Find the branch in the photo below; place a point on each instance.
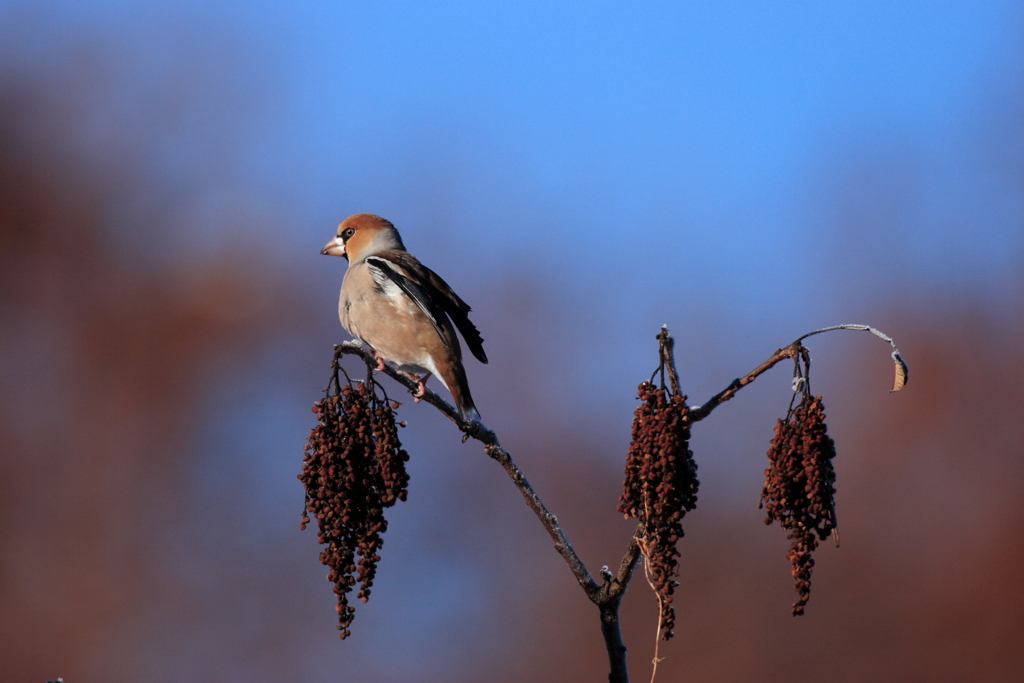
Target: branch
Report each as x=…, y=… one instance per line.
x=792, y=351
x=667, y=356
x=628, y=564
x=476, y=430
x=902, y=371
x=608, y=595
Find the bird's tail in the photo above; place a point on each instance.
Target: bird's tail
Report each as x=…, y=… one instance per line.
x=459, y=386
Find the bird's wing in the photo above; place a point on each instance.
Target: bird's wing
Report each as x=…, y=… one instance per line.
x=386, y=272
x=431, y=293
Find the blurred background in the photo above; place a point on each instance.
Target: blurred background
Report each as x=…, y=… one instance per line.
x=582, y=174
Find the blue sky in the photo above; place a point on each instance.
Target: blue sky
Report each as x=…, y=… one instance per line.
x=740, y=171
x=614, y=130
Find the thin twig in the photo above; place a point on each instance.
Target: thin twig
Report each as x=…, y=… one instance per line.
x=641, y=541
x=796, y=349
x=666, y=353
x=657, y=633
x=902, y=370
x=699, y=413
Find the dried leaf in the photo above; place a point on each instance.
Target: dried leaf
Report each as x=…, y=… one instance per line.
x=902, y=372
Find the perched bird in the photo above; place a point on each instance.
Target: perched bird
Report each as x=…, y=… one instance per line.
x=403, y=310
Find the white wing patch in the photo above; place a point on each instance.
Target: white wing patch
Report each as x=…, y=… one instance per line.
x=387, y=285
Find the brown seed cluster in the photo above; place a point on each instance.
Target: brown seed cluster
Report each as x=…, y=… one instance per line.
x=798, y=488
x=354, y=467
x=660, y=487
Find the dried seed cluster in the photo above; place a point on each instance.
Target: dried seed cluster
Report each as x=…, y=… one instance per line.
x=354, y=467
x=798, y=488
x=660, y=486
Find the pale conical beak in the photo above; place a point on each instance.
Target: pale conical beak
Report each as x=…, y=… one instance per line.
x=335, y=247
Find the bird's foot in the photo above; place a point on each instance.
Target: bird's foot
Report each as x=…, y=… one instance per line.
x=380, y=361
x=421, y=386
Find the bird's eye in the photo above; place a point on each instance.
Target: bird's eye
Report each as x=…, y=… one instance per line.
x=347, y=232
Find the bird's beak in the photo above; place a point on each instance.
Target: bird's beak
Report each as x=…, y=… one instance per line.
x=334, y=248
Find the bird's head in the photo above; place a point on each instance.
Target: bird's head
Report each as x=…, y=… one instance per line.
x=362, y=235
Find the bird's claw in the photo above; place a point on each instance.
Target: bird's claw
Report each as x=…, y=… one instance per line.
x=421, y=385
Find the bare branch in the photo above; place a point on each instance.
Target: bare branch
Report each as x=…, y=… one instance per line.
x=792, y=351
x=628, y=564
x=476, y=430
x=666, y=351
x=612, y=632
x=608, y=595
x=902, y=371
x=698, y=414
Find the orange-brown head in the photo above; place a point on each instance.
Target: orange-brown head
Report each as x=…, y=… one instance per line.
x=362, y=235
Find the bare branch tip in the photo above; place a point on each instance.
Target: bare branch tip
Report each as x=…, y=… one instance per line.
x=902, y=369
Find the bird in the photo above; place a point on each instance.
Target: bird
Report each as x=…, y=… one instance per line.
x=402, y=310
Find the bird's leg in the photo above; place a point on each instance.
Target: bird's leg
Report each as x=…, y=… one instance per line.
x=421, y=385
x=421, y=390
x=380, y=361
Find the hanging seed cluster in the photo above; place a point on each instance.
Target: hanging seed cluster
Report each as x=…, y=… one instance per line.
x=660, y=486
x=354, y=467
x=798, y=488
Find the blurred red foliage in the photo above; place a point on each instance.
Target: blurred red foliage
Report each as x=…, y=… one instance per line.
x=108, y=362
x=103, y=363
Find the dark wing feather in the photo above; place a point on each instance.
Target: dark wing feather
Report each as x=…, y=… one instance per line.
x=458, y=310
x=441, y=296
